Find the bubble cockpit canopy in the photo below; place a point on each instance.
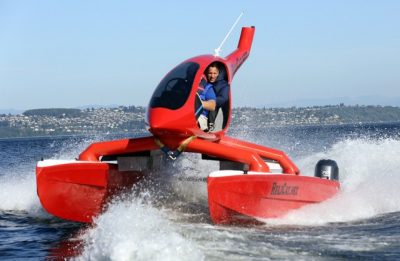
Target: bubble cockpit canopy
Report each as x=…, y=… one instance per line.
x=174, y=90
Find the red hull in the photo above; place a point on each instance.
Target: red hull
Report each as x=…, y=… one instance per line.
x=78, y=191
x=244, y=198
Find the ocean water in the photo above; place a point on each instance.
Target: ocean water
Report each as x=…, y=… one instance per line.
x=166, y=217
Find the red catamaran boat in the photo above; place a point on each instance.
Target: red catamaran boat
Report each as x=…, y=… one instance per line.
x=252, y=183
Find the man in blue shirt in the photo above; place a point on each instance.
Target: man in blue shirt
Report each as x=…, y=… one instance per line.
x=221, y=89
x=207, y=96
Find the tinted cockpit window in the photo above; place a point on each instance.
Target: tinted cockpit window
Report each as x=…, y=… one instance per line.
x=174, y=89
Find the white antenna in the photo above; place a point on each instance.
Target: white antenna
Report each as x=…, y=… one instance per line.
x=227, y=35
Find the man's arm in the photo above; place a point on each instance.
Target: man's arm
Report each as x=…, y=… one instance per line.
x=209, y=105
x=222, y=94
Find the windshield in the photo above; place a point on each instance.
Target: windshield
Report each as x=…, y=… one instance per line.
x=174, y=89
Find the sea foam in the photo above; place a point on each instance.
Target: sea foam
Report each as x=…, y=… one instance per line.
x=132, y=229
x=370, y=180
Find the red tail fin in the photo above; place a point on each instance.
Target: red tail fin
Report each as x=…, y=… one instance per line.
x=237, y=57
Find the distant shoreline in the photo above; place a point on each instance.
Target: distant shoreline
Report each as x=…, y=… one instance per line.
x=124, y=121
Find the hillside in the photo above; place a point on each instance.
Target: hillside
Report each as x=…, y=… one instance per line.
x=58, y=121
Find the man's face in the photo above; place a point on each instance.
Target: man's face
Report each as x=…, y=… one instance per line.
x=212, y=74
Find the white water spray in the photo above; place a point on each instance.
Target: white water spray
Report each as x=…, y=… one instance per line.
x=135, y=230
x=370, y=181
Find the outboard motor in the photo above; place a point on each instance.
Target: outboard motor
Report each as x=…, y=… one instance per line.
x=327, y=169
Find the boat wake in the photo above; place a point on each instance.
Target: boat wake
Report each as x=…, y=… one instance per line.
x=369, y=177
x=133, y=229
x=17, y=178
x=18, y=193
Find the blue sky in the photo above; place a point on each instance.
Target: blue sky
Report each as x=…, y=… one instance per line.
x=76, y=53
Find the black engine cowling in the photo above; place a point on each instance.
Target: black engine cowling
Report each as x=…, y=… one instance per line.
x=327, y=169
